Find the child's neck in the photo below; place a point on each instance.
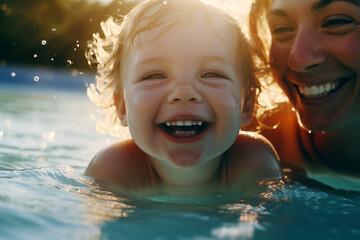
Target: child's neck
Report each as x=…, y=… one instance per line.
x=187, y=178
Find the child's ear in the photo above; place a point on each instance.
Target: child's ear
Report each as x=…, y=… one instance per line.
x=248, y=107
x=121, y=108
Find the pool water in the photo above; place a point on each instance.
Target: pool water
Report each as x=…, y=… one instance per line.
x=47, y=138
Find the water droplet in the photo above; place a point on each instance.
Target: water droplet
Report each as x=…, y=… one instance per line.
x=8, y=124
x=293, y=109
x=43, y=42
x=43, y=145
x=77, y=45
x=74, y=72
x=13, y=74
x=49, y=136
x=35, y=55
x=165, y=2
x=90, y=19
x=309, y=131
x=53, y=29
x=36, y=78
x=52, y=59
x=69, y=62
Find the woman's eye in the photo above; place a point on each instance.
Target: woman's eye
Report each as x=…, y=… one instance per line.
x=337, y=21
x=282, y=32
x=154, y=76
x=213, y=75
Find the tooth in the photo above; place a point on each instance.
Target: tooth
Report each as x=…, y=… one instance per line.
x=168, y=124
x=321, y=89
x=188, y=123
x=179, y=123
x=306, y=91
x=199, y=123
x=301, y=89
x=314, y=90
x=333, y=86
x=328, y=87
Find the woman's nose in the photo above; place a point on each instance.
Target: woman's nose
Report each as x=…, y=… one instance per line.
x=184, y=92
x=306, y=52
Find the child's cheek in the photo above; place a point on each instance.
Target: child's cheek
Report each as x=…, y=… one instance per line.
x=229, y=99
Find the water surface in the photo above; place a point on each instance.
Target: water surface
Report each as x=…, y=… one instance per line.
x=47, y=138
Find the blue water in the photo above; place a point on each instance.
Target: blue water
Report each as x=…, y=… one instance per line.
x=47, y=138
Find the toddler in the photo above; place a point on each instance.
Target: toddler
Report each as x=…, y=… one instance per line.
x=180, y=75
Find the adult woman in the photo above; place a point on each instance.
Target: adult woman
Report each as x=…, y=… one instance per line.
x=314, y=56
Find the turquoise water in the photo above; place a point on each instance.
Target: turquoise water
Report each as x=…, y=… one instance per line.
x=47, y=138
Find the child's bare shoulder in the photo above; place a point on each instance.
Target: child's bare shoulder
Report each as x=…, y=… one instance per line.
x=122, y=163
x=253, y=156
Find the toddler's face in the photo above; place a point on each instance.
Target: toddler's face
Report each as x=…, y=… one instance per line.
x=183, y=95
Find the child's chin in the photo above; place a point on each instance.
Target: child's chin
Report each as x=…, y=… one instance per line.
x=185, y=158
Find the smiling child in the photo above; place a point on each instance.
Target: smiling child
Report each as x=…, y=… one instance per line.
x=182, y=79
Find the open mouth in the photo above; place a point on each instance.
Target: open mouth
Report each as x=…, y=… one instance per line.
x=184, y=128
x=322, y=90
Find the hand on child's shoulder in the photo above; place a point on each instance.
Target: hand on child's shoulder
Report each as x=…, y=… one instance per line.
x=122, y=163
x=253, y=157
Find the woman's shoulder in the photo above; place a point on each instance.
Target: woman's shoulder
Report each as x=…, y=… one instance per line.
x=122, y=163
x=282, y=128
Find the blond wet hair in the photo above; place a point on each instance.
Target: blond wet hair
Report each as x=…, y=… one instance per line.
x=107, y=51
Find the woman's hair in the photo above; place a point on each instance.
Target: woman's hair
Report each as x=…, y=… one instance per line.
x=106, y=52
x=258, y=28
x=260, y=35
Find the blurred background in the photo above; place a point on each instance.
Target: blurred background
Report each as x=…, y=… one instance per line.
x=52, y=33
x=42, y=42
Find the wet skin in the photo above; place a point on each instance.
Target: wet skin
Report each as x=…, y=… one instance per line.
x=183, y=103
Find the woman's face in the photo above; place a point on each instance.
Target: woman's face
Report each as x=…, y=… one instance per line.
x=315, y=55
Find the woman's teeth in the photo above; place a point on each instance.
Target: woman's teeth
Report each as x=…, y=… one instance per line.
x=318, y=91
x=181, y=123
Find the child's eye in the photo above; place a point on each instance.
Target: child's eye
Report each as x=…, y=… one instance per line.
x=154, y=76
x=338, y=24
x=213, y=75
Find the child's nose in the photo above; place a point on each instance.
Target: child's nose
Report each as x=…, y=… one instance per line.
x=184, y=93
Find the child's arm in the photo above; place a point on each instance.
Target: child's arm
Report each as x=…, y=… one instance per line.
x=252, y=159
x=122, y=164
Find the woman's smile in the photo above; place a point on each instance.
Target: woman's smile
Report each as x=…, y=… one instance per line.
x=321, y=92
